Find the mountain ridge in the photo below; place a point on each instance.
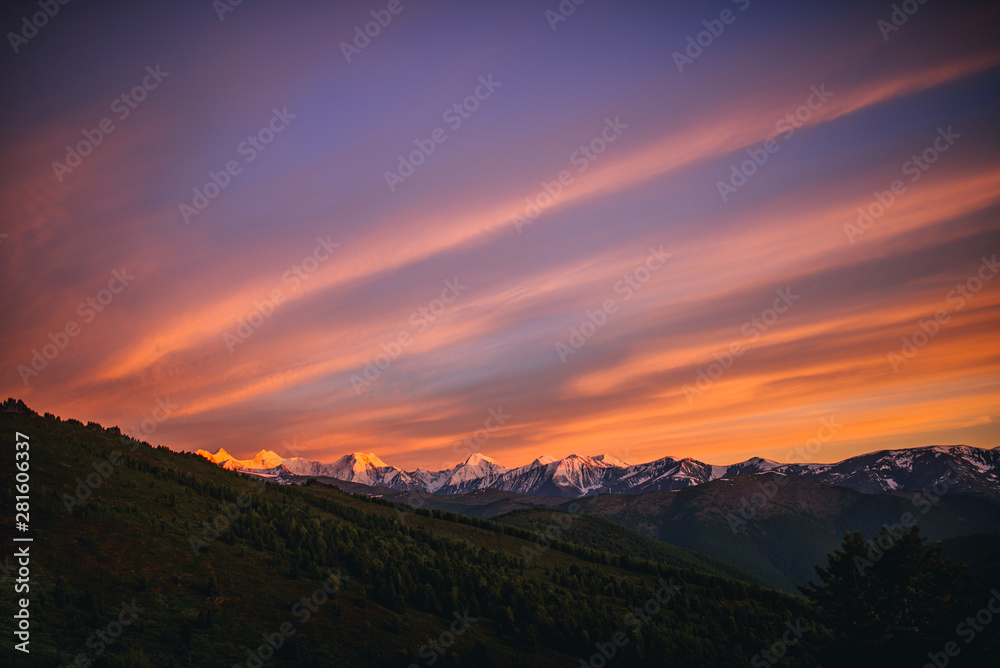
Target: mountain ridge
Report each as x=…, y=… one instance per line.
x=961, y=468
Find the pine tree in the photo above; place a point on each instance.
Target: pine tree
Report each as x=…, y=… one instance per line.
x=886, y=601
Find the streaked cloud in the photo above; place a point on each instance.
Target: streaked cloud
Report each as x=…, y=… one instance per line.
x=495, y=344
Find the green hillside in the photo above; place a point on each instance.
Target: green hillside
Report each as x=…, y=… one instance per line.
x=796, y=525
x=553, y=527
x=142, y=536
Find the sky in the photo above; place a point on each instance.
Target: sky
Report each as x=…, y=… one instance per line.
x=713, y=230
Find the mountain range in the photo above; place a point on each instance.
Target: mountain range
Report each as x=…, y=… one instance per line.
x=772, y=520
x=961, y=469
x=182, y=534
x=213, y=565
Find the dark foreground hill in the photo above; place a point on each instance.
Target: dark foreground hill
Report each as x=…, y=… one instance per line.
x=576, y=527
x=766, y=527
x=778, y=527
x=146, y=557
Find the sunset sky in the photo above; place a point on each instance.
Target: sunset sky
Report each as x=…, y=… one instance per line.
x=359, y=261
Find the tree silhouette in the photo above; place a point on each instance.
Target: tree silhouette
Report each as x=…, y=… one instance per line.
x=886, y=601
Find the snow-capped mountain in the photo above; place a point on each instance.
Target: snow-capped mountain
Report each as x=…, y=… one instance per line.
x=670, y=473
x=363, y=468
x=752, y=465
x=359, y=467
x=431, y=481
x=219, y=457
x=573, y=476
x=956, y=469
x=666, y=473
x=611, y=459
x=476, y=472
x=265, y=459
x=264, y=464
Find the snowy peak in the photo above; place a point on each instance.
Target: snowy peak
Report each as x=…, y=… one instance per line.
x=477, y=472
x=601, y=461
x=477, y=458
x=573, y=476
x=767, y=464
x=265, y=464
x=360, y=467
x=265, y=459
x=355, y=467
x=368, y=469
x=360, y=461
x=965, y=469
x=958, y=468
x=477, y=466
x=227, y=461
x=218, y=458
x=222, y=455
x=610, y=460
x=544, y=460
x=431, y=481
x=752, y=465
